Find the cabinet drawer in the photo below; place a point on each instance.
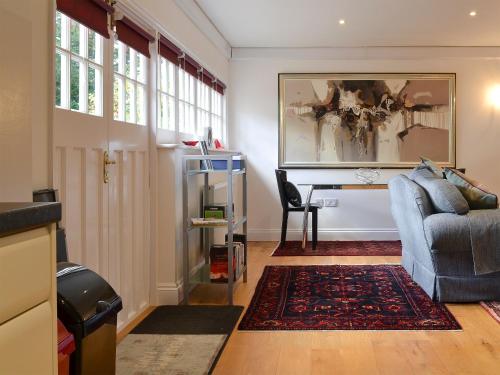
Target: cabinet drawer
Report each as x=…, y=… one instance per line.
x=27, y=343
x=25, y=271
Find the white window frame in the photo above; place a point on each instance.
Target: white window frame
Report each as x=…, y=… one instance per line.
x=67, y=56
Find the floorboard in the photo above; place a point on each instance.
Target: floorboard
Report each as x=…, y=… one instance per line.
x=475, y=350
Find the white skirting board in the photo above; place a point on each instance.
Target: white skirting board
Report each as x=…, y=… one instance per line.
x=327, y=234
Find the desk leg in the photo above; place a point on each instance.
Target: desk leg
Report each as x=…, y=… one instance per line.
x=306, y=215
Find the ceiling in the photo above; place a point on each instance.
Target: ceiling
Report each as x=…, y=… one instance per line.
x=315, y=23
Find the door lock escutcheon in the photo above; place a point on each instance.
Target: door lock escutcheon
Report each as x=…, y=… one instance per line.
x=107, y=161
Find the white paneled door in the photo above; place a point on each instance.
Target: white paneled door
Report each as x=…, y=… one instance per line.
x=106, y=217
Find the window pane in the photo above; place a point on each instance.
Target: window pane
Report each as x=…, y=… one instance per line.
x=171, y=113
x=118, y=99
x=163, y=74
x=182, y=121
x=140, y=106
x=75, y=85
x=116, y=57
x=94, y=91
x=58, y=29
x=75, y=37
x=162, y=112
x=140, y=67
x=58, y=79
x=94, y=46
x=127, y=61
x=171, y=78
x=129, y=101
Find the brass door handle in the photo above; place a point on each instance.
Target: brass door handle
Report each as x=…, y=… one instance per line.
x=107, y=161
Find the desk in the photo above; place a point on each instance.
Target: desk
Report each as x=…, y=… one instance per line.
x=313, y=187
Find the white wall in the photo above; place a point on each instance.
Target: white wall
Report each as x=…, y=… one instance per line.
x=253, y=120
x=24, y=93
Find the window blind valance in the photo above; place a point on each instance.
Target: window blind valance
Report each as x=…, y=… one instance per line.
x=91, y=13
x=169, y=50
x=175, y=55
x=134, y=36
x=220, y=87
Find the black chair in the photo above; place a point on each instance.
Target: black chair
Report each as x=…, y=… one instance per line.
x=291, y=201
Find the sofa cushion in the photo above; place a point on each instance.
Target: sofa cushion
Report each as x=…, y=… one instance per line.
x=422, y=170
x=476, y=195
x=432, y=166
x=445, y=196
x=447, y=232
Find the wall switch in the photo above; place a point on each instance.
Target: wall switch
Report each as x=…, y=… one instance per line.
x=331, y=202
x=318, y=202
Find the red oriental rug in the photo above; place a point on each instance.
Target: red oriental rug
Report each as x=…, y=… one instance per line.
x=348, y=248
x=343, y=297
x=493, y=309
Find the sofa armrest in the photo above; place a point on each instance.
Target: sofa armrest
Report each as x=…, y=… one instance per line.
x=447, y=232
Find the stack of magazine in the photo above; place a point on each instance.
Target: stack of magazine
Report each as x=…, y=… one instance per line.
x=219, y=272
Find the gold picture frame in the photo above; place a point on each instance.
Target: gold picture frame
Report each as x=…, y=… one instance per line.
x=375, y=120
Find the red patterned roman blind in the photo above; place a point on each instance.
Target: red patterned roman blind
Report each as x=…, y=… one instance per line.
x=91, y=13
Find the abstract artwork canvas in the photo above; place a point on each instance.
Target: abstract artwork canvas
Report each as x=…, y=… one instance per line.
x=366, y=120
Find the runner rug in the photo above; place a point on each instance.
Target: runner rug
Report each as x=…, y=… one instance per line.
x=343, y=297
x=348, y=248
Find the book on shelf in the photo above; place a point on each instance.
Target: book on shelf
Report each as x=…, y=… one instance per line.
x=202, y=221
x=219, y=271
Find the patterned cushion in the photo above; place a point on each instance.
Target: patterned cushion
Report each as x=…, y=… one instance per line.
x=477, y=196
x=445, y=196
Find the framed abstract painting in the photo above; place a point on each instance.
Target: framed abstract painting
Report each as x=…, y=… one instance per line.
x=349, y=120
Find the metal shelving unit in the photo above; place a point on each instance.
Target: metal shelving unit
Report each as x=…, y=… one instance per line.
x=202, y=274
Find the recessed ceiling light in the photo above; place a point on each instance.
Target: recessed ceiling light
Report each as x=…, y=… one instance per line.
x=341, y=22
x=473, y=13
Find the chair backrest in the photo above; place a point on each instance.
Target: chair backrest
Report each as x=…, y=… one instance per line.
x=281, y=180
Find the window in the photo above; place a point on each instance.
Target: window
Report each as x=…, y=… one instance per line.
x=203, y=107
x=166, y=95
x=187, y=102
x=129, y=90
x=79, y=67
x=198, y=104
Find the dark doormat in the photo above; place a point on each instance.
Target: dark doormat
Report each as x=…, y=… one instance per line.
x=178, y=340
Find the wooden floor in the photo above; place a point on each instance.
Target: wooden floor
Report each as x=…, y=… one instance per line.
x=475, y=350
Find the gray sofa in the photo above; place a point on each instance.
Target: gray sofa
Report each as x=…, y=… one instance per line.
x=438, y=247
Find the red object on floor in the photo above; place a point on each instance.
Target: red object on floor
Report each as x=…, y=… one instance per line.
x=65, y=346
x=340, y=248
x=343, y=297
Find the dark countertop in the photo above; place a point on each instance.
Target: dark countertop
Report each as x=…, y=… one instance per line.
x=18, y=217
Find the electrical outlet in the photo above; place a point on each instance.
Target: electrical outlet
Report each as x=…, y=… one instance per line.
x=331, y=202
x=319, y=202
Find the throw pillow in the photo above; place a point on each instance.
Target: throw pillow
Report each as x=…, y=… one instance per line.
x=476, y=195
x=445, y=197
x=432, y=166
x=422, y=170
x=292, y=194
